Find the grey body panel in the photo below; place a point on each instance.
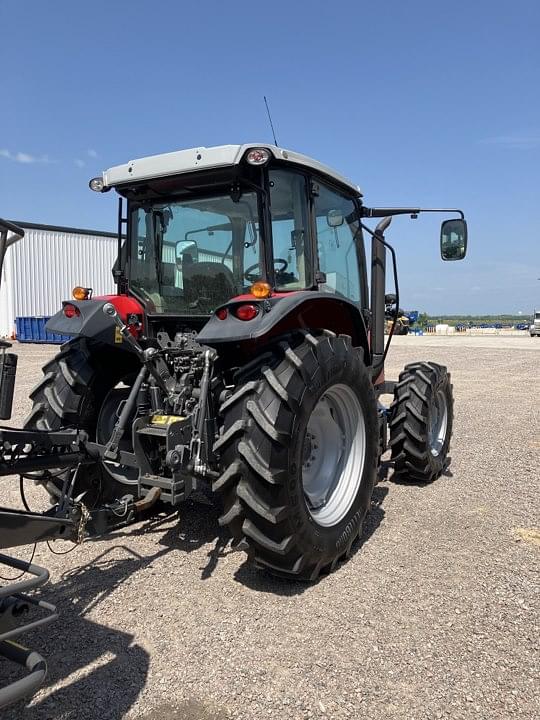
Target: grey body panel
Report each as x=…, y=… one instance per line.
x=193, y=159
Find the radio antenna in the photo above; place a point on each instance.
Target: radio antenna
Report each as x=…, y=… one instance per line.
x=270, y=119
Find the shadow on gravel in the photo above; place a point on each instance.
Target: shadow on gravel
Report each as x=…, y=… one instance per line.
x=196, y=526
x=72, y=690
x=261, y=581
x=109, y=689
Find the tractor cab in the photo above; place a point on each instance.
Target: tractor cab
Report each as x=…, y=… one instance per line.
x=208, y=225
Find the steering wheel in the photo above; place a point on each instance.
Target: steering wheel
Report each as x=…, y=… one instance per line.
x=253, y=278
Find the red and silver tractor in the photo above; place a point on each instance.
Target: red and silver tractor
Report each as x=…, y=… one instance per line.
x=242, y=355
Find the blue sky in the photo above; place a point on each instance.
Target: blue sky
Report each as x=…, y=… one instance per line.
x=419, y=103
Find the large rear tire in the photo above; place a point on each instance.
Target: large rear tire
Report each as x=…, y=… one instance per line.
x=74, y=388
x=299, y=451
x=421, y=419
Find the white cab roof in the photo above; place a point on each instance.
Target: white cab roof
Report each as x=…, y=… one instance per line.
x=202, y=158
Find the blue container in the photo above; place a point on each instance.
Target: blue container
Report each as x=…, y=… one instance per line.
x=32, y=330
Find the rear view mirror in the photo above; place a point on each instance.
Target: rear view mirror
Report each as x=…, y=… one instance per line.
x=186, y=252
x=453, y=239
x=334, y=218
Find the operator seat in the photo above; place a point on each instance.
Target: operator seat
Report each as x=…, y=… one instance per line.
x=207, y=285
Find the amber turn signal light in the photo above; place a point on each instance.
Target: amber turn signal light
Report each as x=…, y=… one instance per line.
x=80, y=293
x=260, y=289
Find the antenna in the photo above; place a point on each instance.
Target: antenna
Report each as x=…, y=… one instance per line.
x=270, y=119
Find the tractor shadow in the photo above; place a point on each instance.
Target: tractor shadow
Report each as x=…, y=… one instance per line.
x=261, y=581
x=90, y=665
x=93, y=665
x=195, y=526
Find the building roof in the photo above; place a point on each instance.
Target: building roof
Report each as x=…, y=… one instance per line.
x=62, y=228
x=202, y=158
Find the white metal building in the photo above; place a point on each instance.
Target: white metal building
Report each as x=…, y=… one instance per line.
x=42, y=269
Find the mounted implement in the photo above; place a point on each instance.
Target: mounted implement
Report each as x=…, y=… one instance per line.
x=242, y=355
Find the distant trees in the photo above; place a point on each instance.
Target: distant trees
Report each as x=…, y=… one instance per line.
x=426, y=319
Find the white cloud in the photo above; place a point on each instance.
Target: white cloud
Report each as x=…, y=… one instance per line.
x=79, y=163
x=92, y=153
x=24, y=158
x=514, y=142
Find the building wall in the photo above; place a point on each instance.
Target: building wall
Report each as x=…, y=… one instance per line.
x=42, y=269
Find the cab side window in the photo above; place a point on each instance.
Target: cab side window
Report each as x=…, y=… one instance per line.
x=290, y=230
x=338, y=231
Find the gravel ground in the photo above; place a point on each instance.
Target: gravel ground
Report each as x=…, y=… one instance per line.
x=435, y=616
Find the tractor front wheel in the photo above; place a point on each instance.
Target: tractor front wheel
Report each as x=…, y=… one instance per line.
x=421, y=419
x=299, y=452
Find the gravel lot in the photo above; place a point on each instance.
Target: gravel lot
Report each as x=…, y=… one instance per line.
x=435, y=616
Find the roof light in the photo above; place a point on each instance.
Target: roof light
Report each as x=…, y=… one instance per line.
x=258, y=156
x=96, y=184
x=246, y=312
x=81, y=293
x=260, y=289
x=71, y=311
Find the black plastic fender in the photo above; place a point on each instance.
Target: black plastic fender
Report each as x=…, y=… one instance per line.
x=91, y=323
x=285, y=313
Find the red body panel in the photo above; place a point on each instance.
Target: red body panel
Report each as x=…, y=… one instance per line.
x=124, y=304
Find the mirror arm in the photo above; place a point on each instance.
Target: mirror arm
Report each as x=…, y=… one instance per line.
x=413, y=212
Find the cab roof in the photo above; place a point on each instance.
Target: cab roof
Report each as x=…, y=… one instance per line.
x=203, y=158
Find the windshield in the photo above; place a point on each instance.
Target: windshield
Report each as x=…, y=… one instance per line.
x=190, y=256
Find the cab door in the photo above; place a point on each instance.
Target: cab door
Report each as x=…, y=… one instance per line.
x=339, y=244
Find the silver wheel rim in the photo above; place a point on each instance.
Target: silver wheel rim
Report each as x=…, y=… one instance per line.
x=334, y=455
x=438, y=423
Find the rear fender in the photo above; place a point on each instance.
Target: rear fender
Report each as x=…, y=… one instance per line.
x=283, y=314
x=93, y=323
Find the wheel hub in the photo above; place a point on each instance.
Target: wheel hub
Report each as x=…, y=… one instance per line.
x=438, y=423
x=333, y=455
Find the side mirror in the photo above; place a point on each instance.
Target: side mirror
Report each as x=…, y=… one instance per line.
x=334, y=218
x=453, y=239
x=186, y=252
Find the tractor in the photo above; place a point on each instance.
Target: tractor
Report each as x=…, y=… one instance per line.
x=242, y=357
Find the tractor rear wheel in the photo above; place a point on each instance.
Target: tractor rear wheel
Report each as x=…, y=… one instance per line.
x=299, y=453
x=421, y=419
x=80, y=390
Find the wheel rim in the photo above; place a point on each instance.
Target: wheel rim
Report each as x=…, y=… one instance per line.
x=334, y=455
x=438, y=423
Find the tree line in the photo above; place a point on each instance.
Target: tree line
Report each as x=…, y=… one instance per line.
x=471, y=320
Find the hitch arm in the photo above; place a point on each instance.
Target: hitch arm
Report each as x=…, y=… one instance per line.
x=112, y=450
